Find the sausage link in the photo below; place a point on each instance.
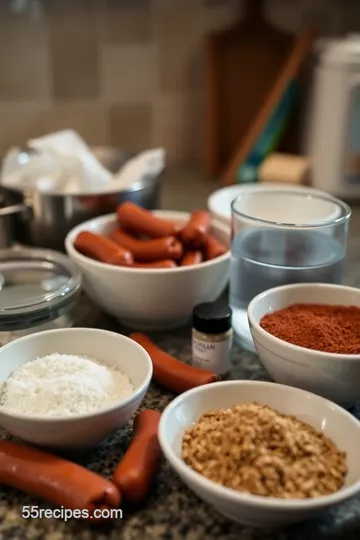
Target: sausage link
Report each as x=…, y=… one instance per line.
x=55, y=479
x=194, y=233
x=213, y=247
x=192, y=257
x=149, y=250
x=170, y=372
x=166, y=263
x=141, y=462
x=103, y=249
x=135, y=219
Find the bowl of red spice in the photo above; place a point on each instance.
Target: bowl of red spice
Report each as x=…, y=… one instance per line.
x=308, y=335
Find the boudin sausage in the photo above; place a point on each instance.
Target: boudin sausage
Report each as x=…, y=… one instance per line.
x=191, y=258
x=55, y=479
x=213, y=247
x=170, y=372
x=137, y=469
x=102, y=249
x=194, y=233
x=149, y=250
x=137, y=220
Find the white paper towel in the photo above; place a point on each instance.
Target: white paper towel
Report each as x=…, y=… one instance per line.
x=62, y=163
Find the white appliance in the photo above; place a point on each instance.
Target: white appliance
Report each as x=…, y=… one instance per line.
x=335, y=122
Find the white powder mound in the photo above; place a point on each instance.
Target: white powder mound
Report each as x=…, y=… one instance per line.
x=63, y=385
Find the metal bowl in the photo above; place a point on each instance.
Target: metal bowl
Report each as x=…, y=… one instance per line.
x=43, y=220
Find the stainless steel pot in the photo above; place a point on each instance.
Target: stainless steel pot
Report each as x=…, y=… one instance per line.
x=43, y=220
x=8, y=218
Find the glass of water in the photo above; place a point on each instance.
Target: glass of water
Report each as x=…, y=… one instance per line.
x=282, y=237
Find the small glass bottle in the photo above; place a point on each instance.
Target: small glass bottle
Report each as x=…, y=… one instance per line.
x=212, y=337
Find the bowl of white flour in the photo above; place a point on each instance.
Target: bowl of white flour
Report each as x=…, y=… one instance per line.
x=70, y=389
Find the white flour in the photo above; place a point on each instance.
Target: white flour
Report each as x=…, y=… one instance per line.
x=63, y=385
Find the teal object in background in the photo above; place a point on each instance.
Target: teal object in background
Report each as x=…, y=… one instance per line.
x=247, y=174
x=270, y=136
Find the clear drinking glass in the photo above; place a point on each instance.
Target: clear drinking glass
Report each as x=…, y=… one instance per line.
x=282, y=237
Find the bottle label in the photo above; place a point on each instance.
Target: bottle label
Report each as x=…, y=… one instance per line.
x=214, y=356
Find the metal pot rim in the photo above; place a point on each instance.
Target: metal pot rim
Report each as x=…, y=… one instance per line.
x=136, y=186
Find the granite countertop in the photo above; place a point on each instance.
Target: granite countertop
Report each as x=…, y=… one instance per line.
x=172, y=511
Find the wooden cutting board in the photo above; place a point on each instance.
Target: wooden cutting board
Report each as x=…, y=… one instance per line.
x=241, y=64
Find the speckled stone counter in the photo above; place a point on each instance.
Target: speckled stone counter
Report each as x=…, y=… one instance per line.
x=172, y=511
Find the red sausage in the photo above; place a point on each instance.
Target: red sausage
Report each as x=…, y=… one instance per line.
x=103, y=249
x=55, y=479
x=170, y=372
x=156, y=264
x=213, y=247
x=192, y=257
x=149, y=250
x=141, y=462
x=135, y=219
x=194, y=233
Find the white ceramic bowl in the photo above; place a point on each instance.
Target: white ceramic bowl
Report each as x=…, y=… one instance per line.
x=81, y=432
x=253, y=510
x=150, y=299
x=219, y=202
x=333, y=376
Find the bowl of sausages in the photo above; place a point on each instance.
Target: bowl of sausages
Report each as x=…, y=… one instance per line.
x=149, y=269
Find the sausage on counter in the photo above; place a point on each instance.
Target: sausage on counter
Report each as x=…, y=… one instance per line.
x=166, y=263
x=194, y=233
x=135, y=219
x=141, y=462
x=149, y=250
x=55, y=479
x=170, y=372
x=213, y=247
x=192, y=257
x=102, y=249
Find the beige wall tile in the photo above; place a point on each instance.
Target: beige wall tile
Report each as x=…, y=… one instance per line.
x=285, y=15
x=177, y=127
x=88, y=118
x=344, y=20
x=125, y=71
x=23, y=57
x=179, y=41
x=74, y=32
x=219, y=14
x=130, y=126
x=23, y=121
x=128, y=21
x=19, y=122
x=128, y=73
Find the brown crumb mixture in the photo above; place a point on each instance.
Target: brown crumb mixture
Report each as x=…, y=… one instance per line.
x=254, y=449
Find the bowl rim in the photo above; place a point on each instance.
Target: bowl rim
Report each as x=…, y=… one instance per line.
x=129, y=400
x=72, y=252
x=344, y=216
x=238, y=497
x=278, y=186
x=290, y=346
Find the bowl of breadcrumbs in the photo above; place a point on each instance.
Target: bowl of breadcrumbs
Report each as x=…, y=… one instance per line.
x=262, y=454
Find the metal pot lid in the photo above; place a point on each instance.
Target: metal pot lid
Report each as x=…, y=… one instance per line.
x=35, y=279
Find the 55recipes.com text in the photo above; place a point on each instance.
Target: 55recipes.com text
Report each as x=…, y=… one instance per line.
x=65, y=514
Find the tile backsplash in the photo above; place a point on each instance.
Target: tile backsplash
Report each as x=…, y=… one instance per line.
x=124, y=72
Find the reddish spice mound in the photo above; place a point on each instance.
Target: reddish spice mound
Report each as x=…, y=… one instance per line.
x=321, y=327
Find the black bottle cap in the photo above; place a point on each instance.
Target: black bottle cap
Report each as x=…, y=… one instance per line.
x=212, y=318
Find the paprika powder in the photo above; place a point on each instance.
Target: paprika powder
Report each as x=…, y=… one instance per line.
x=321, y=327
